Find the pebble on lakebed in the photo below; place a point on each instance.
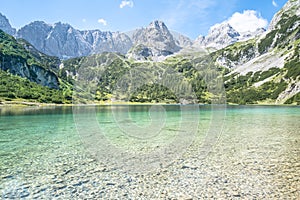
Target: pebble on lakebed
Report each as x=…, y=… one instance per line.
x=241, y=175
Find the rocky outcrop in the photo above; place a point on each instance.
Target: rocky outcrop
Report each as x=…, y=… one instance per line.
x=5, y=25
x=244, y=36
x=140, y=52
x=17, y=60
x=64, y=41
x=33, y=73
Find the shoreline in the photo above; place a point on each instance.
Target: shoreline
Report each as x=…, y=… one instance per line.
x=107, y=103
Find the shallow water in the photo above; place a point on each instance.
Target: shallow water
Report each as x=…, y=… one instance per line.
x=48, y=151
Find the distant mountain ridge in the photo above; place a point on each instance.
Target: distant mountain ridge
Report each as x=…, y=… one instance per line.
x=223, y=34
x=64, y=41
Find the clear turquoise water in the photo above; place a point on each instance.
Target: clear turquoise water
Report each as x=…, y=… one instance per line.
x=35, y=141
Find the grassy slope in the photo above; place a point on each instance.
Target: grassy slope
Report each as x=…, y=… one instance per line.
x=244, y=89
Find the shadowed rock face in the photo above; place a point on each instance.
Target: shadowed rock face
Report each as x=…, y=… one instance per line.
x=33, y=73
x=5, y=25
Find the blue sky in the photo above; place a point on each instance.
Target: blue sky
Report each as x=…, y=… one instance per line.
x=189, y=17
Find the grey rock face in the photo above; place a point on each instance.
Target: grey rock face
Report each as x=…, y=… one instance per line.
x=199, y=40
x=181, y=40
x=140, y=52
x=63, y=41
x=219, y=36
x=107, y=41
x=158, y=38
x=5, y=25
x=32, y=72
x=37, y=32
x=222, y=35
x=248, y=35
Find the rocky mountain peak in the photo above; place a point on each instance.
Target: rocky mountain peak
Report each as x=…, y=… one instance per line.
x=223, y=34
x=219, y=36
x=5, y=25
x=62, y=26
x=156, y=37
x=158, y=31
x=224, y=29
x=158, y=25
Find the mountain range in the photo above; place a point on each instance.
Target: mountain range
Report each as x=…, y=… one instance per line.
x=64, y=41
x=253, y=67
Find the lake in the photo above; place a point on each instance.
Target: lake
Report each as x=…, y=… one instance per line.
x=150, y=151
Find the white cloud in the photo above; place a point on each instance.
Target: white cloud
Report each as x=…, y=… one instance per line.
x=102, y=21
x=274, y=3
x=249, y=20
x=126, y=3
x=83, y=20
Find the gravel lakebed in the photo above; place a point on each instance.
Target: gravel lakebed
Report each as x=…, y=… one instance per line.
x=267, y=169
x=256, y=156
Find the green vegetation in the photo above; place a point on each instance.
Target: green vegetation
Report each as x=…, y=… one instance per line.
x=49, y=62
x=10, y=48
x=14, y=87
x=293, y=66
x=294, y=99
x=109, y=76
x=106, y=76
x=266, y=42
x=154, y=93
x=240, y=89
x=19, y=59
x=281, y=36
x=239, y=81
x=236, y=51
x=269, y=90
